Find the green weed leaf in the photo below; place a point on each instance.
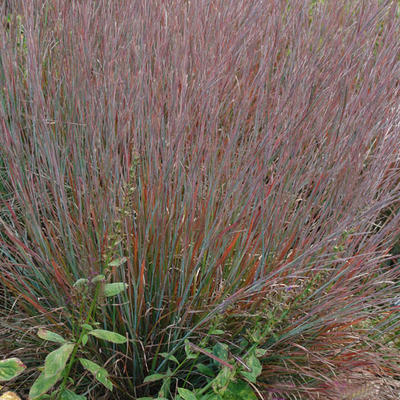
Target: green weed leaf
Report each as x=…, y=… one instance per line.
x=239, y=390
x=70, y=395
x=43, y=384
x=56, y=360
x=112, y=289
x=254, y=364
x=118, y=262
x=222, y=380
x=50, y=336
x=188, y=351
x=165, y=387
x=186, y=394
x=205, y=370
x=169, y=357
x=154, y=378
x=10, y=368
x=220, y=350
x=87, y=327
x=98, y=372
x=108, y=336
x=84, y=339
x=216, y=332
x=80, y=283
x=98, y=278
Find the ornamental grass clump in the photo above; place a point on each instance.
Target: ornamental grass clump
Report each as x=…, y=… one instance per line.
x=231, y=162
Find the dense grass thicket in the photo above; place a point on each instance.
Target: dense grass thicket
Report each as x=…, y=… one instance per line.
x=242, y=159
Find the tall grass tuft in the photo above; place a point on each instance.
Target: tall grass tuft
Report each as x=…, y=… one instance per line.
x=241, y=155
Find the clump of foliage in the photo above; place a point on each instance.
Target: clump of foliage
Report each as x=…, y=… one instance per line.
x=235, y=156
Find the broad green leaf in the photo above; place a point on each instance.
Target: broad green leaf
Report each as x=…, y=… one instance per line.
x=112, y=289
x=42, y=385
x=87, y=327
x=221, y=381
x=188, y=351
x=81, y=283
x=70, y=395
x=216, y=332
x=84, y=340
x=211, y=396
x=169, y=357
x=260, y=352
x=186, y=394
x=256, y=368
x=108, y=336
x=239, y=390
x=98, y=372
x=154, y=378
x=165, y=387
x=204, y=369
x=50, y=336
x=98, y=278
x=118, y=262
x=221, y=351
x=10, y=368
x=56, y=360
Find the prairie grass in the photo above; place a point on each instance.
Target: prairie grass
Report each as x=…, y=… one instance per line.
x=239, y=154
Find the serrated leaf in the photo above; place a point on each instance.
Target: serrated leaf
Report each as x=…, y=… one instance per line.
x=42, y=385
x=186, y=394
x=56, y=360
x=112, y=289
x=169, y=357
x=98, y=372
x=70, y=395
x=50, y=336
x=10, y=368
x=154, y=378
x=108, y=336
x=118, y=262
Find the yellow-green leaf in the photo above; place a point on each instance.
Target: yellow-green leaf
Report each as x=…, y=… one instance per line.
x=42, y=385
x=10, y=368
x=50, y=336
x=56, y=360
x=98, y=372
x=108, y=336
x=112, y=289
x=117, y=262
